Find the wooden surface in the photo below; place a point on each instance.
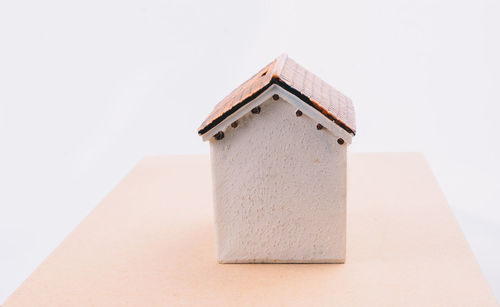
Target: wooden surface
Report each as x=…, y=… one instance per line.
x=151, y=243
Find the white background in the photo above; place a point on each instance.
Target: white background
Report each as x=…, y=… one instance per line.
x=87, y=88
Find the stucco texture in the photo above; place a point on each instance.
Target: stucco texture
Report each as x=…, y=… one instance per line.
x=279, y=189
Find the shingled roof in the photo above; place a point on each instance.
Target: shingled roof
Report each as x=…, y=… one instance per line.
x=286, y=73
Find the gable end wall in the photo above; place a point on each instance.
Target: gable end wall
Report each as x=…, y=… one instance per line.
x=279, y=189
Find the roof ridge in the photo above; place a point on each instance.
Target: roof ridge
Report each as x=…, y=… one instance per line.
x=280, y=63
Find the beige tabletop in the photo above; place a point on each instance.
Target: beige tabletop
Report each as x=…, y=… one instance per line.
x=151, y=243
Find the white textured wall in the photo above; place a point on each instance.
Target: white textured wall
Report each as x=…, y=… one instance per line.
x=279, y=189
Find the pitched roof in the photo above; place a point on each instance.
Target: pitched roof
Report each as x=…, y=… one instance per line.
x=297, y=80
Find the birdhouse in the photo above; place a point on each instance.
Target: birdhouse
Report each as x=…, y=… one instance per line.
x=278, y=150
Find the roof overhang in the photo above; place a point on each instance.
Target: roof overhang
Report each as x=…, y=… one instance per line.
x=285, y=92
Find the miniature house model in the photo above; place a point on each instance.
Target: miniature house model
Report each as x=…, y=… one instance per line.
x=278, y=154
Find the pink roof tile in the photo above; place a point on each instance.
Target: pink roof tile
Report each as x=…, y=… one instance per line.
x=297, y=80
